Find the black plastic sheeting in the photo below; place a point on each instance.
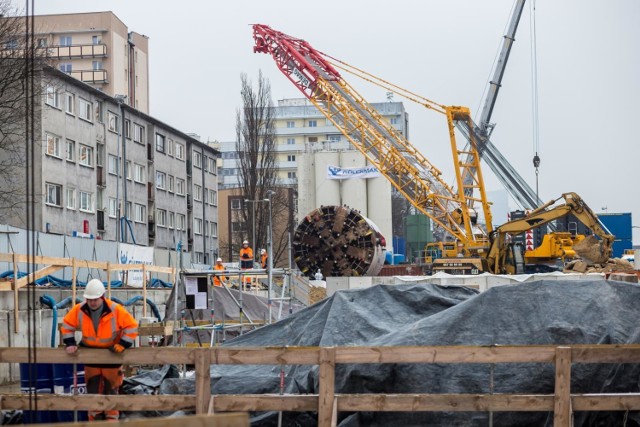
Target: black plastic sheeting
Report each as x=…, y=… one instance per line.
x=543, y=313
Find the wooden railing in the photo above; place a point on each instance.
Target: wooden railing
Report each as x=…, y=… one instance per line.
x=327, y=402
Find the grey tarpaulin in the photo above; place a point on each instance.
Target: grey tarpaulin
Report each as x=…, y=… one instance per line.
x=542, y=312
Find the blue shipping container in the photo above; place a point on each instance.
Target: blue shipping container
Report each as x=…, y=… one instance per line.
x=619, y=246
x=65, y=382
x=37, y=378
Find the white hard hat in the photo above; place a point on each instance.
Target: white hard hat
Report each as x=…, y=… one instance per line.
x=263, y=251
x=245, y=242
x=94, y=289
x=219, y=260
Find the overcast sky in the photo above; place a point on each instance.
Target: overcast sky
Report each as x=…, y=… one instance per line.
x=588, y=54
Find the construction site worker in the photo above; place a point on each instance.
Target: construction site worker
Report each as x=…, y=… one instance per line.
x=246, y=260
x=264, y=258
x=218, y=280
x=104, y=324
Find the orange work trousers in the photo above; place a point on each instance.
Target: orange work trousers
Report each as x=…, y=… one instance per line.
x=103, y=381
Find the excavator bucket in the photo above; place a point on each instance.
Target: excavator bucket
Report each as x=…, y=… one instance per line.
x=592, y=251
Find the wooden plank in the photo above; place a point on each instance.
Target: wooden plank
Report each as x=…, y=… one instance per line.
x=265, y=356
x=98, y=265
x=16, y=299
x=142, y=355
x=265, y=402
x=444, y=402
x=54, y=402
x=144, y=290
x=446, y=354
x=74, y=283
x=203, y=380
x=160, y=269
x=562, y=399
x=326, y=379
x=24, y=281
x=606, y=354
x=606, y=402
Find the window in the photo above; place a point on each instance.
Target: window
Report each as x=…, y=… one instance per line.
x=394, y=120
x=96, y=65
x=160, y=143
x=291, y=158
x=212, y=165
x=236, y=204
x=214, y=229
x=197, y=192
x=53, y=194
x=84, y=110
x=127, y=128
x=171, y=220
x=313, y=139
x=170, y=183
x=197, y=159
x=71, y=150
x=313, y=123
x=180, y=222
x=113, y=165
x=127, y=210
x=197, y=225
x=127, y=170
x=170, y=147
x=66, y=67
x=238, y=226
x=85, y=155
x=113, y=208
x=52, y=97
x=335, y=138
x=291, y=124
x=291, y=141
x=53, y=145
x=161, y=178
x=291, y=175
x=112, y=121
x=100, y=155
x=161, y=217
x=213, y=197
x=139, y=173
x=11, y=44
x=138, y=133
x=65, y=41
x=180, y=186
x=96, y=40
x=42, y=42
x=86, y=201
x=70, y=102
x=140, y=213
x=179, y=151
x=71, y=198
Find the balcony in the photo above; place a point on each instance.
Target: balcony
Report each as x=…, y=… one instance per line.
x=77, y=51
x=90, y=76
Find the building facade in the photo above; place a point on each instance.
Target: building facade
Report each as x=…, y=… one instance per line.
x=156, y=186
x=98, y=49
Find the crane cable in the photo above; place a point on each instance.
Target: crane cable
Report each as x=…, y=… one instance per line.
x=534, y=94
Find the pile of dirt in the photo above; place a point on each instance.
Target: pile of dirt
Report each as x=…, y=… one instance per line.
x=612, y=265
x=590, y=250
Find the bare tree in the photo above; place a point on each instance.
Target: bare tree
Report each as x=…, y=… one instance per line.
x=256, y=145
x=21, y=63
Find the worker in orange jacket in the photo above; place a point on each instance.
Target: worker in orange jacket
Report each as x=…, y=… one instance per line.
x=264, y=258
x=246, y=260
x=218, y=280
x=104, y=324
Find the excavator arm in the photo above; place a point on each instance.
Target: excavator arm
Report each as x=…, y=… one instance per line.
x=500, y=250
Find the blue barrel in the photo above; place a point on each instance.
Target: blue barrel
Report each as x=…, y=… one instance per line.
x=37, y=378
x=65, y=383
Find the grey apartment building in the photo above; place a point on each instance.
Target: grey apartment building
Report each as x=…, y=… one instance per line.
x=157, y=186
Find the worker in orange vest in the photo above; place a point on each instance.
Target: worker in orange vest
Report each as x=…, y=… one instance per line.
x=218, y=280
x=104, y=324
x=246, y=260
x=264, y=258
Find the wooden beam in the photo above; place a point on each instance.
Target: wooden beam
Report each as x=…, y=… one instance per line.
x=203, y=380
x=627, y=353
x=444, y=402
x=265, y=402
x=74, y=281
x=142, y=355
x=265, y=356
x=16, y=299
x=606, y=402
x=144, y=290
x=562, y=399
x=326, y=380
x=99, y=402
x=24, y=281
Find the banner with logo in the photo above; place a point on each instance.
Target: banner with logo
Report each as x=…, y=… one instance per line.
x=337, y=172
x=132, y=254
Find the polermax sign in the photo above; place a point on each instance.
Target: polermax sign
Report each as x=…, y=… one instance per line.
x=337, y=172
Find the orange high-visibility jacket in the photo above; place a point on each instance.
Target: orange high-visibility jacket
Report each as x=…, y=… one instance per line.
x=217, y=280
x=246, y=257
x=116, y=326
x=264, y=258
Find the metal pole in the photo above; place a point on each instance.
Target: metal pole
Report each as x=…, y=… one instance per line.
x=124, y=170
x=270, y=255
